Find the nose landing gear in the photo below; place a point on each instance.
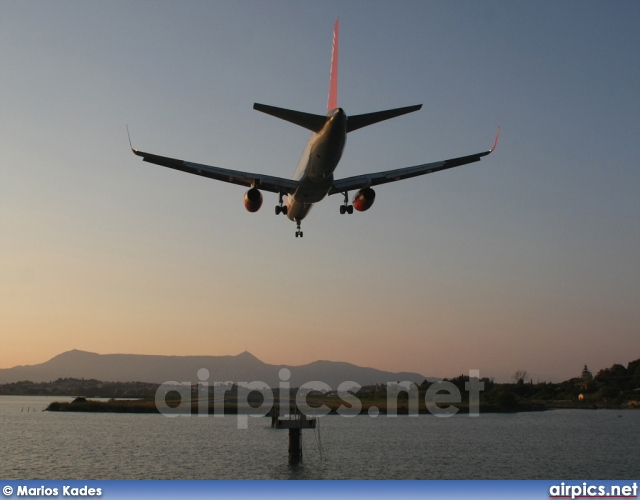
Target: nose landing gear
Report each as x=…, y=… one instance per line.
x=299, y=231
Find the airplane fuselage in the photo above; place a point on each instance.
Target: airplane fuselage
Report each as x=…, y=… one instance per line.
x=319, y=159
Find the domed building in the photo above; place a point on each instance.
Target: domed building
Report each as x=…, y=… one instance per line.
x=586, y=374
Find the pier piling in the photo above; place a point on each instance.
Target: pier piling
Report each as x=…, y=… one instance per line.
x=295, y=423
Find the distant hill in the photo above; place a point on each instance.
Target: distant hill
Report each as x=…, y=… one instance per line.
x=244, y=367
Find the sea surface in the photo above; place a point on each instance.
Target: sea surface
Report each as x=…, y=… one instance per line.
x=556, y=444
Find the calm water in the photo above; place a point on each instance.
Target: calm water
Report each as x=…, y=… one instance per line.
x=560, y=444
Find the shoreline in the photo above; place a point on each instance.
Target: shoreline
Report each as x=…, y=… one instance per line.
x=230, y=408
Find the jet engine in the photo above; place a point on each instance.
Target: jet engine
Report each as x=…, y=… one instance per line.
x=253, y=200
x=364, y=199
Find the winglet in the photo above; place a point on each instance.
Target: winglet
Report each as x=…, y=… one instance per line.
x=495, y=143
x=333, y=78
x=135, y=151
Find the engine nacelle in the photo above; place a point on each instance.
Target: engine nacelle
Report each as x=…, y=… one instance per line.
x=364, y=199
x=253, y=200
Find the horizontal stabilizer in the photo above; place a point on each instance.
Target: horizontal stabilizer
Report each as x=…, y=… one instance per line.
x=358, y=121
x=306, y=120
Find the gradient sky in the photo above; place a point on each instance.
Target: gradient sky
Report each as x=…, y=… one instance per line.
x=528, y=260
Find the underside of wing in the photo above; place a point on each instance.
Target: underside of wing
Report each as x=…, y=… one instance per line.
x=368, y=180
x=263, y=182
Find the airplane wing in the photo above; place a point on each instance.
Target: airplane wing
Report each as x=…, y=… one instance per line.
x=263, y=182
x=368, y=180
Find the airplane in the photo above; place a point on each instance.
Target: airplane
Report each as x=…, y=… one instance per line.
x=313, y=179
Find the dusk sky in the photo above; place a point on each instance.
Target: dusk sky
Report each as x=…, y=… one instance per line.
x=527, y=260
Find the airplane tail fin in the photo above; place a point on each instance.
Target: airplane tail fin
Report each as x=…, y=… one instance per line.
x=333, y=78
x=316, y=122
x=308, y=120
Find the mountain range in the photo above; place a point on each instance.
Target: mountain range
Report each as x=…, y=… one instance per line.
x=244, y=367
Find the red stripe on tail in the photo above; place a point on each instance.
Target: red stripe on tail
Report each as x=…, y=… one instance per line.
x=333, y=79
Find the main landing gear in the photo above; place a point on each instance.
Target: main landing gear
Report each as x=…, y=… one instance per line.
x=346, y=208
x=280, y=208
x=299, y=231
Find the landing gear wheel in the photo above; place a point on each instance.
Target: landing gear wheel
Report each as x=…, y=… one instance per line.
x=280, y=208
x=299, y=231
x=346, y=208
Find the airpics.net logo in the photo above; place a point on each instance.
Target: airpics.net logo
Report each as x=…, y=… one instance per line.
x=258, y=399
x=586, y=490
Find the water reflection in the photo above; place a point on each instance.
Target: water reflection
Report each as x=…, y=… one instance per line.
x=563, y=443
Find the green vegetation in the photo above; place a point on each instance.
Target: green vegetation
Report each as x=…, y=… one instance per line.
x=79, y=387
x=614, y=387
x=113, y=405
